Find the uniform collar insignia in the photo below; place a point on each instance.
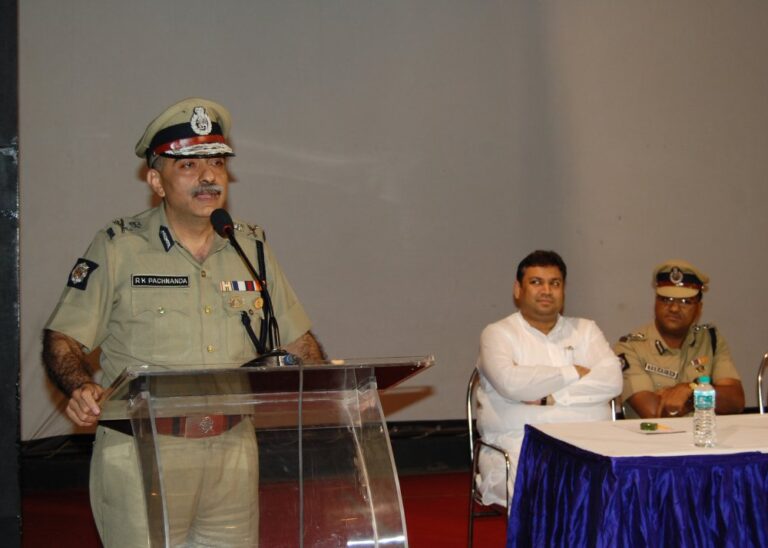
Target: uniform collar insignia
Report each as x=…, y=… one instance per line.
x=165, y=238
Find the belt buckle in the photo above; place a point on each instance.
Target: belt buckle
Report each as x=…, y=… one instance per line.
x=201, y=426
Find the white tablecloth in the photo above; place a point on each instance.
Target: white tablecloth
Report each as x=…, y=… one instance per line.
x=735, y=434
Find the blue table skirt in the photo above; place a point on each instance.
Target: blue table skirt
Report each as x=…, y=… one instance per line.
x=565, y=496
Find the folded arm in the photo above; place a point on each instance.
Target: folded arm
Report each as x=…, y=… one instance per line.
x=678, y=400
x=604, y=380
x=597, y=379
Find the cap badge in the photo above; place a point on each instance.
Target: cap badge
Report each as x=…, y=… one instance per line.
x=675, y=276
x=201, y=122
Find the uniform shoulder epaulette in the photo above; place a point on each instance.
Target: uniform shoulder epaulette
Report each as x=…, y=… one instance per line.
x=123, y=225
x=255, y=232
x=702, y=327
x=633, y=337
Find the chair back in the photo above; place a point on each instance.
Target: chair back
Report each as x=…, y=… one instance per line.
x=760, y=388
x=474, y=379
x=475, y=443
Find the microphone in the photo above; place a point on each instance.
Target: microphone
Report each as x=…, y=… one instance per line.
x=268, y=345
x=222, y=224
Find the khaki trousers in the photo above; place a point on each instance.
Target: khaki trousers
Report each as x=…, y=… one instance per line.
x=210, y=485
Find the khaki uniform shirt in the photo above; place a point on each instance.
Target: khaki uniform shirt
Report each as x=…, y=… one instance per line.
x=649, y=364
x=144, y=299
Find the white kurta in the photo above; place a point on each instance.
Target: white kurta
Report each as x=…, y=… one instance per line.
x=519, y=363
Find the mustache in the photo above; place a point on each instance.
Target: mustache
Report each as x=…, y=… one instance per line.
x=207, y=189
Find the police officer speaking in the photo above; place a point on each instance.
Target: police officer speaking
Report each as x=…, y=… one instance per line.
x=162, y=287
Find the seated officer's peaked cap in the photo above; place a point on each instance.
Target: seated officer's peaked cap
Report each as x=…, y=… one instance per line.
x=679, y=279
x=192, y=128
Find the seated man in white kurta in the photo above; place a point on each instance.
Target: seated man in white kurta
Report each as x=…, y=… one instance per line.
x=537, y=366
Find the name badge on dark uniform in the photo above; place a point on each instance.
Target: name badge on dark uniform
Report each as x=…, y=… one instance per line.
x=159, y=280
x=660, y=371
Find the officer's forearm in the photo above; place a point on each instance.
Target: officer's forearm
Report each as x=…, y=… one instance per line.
x=65, y=362
x=307, y=348
x=675, y=400
x=645, y=404
x=729, y=398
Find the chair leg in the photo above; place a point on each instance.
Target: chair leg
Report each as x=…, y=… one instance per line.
x=471, y=520
x=472, y=494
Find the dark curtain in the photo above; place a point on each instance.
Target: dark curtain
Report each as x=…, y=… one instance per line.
x=10, y=502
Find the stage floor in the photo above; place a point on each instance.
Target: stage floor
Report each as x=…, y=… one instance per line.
x=435, y=510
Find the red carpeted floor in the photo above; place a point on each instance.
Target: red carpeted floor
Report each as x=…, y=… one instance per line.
x=435, y=511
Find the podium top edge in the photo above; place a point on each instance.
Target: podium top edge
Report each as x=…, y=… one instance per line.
x=417, y=362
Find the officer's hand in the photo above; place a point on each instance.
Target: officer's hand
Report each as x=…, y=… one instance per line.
x=83, y=408
x=673, y=401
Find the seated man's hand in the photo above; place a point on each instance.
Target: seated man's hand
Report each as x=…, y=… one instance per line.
x=582, y=370
x=674, y=401
x=83, y=408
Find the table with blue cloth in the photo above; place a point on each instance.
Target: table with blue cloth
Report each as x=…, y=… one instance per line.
x=614, y=484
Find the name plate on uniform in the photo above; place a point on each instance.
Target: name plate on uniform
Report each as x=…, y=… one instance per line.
x=157, y=280
x=660, y=371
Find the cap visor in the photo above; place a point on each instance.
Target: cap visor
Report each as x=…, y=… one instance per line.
x=677, y=292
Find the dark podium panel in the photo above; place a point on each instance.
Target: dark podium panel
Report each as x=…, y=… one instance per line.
x=269, y=456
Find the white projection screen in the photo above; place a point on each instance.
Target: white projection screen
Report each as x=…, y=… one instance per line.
x=403, y=156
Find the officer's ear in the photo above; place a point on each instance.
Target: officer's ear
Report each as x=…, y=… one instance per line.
x=155, y=182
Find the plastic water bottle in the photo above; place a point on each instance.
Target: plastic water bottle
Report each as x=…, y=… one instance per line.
x=704, y=427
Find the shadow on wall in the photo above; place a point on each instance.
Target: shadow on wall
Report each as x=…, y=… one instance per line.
x=397, y=399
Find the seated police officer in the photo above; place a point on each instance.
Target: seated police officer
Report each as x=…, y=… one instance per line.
x=663, y=359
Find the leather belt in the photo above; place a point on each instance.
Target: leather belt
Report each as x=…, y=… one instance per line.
x=193, y=426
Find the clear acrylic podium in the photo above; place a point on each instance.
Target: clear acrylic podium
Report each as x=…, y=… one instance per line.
x=267, y=456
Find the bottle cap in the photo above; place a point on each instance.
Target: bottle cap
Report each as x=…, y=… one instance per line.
x=704, y=379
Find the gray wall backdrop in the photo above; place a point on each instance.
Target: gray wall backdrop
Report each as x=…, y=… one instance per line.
x=403, y=156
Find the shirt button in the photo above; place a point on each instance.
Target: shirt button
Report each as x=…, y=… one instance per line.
x=202, y=273
x=211, y=348
x=160, y=310
x=207, y=309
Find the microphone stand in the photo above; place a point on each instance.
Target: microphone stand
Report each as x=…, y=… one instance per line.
x=270, y=354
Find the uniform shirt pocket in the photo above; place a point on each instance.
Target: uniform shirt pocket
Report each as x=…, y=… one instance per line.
x=162, y=323
x=240, y=348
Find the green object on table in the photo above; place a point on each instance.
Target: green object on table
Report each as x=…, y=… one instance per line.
x=650, y=426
